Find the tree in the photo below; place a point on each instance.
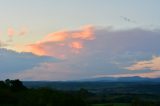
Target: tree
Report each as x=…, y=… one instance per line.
x=15, y=85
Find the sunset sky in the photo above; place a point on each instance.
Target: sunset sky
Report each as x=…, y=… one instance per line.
x=79, y=39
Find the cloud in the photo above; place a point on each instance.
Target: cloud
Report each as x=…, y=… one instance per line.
x=45, y=71
x=55, y=37
x=76, y=46
x=86, y=33
x=11, y=32
x=12, y=62
x=99, y=55
x=63, y=43
x=153, y=64
x=105, y=52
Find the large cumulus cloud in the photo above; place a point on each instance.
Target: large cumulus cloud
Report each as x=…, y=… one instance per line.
x=103, y=51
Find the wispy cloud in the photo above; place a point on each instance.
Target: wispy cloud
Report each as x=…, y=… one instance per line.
x=153, y=64
x=11, y=32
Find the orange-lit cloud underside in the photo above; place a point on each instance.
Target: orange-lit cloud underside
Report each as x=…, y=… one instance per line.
x=58, y=43
x=153, y=64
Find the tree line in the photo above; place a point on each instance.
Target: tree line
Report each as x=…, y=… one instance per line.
x=14, y=93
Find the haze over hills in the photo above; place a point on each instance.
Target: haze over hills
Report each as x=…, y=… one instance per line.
x=105, y=84
x=92, y=83
x=123, y=79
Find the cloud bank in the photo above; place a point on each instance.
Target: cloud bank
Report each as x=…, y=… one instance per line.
x=92, y=51
x=12, y=62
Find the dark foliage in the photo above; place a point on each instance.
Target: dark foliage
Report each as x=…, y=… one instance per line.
x=14, y=93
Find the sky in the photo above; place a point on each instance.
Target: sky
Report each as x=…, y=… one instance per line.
x=79, y=39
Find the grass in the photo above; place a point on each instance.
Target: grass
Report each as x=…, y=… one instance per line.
x=113, y=104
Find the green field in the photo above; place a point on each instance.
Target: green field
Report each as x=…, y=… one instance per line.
x=113, y=104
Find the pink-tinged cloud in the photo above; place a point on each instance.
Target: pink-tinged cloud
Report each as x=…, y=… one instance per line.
x=48, y=49
x=76, y=45
x=11, y=32
x=56, y=37
x=153, y=64
x=63, y=43
x=37, y=49
x=86, y=33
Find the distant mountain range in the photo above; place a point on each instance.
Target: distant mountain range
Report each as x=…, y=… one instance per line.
x=123, y=79
x=128, y=84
